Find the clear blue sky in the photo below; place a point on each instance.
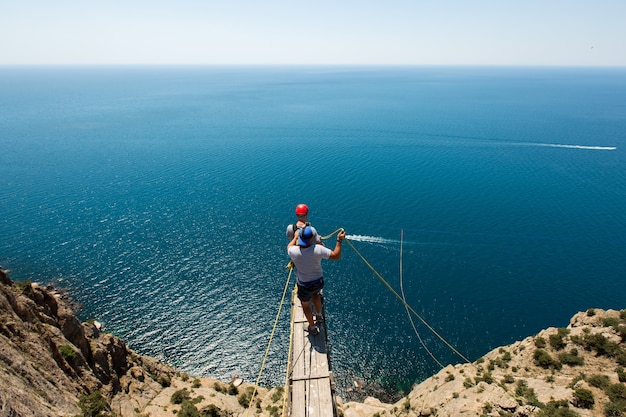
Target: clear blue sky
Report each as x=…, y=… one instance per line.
x=384, y=32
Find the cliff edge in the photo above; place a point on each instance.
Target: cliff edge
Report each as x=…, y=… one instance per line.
x=576, y=370
x=51, y=364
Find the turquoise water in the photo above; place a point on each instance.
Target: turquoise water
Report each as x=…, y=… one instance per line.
x=159, y=196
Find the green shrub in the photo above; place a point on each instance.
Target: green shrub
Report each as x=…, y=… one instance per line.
x=179, y=396
x=613, y=410
x=557, y=341
x=67, y=352
x=407, y=404
x=524, y=391
x=245, y=397
x=591, y=312
x=233, y=390
x=583, y=398
x=508, y=379
x=500, y=363
x=92, y=405
x=621, y=331
x=622, y=314
x=580, y=377
x=610, y=322
x=278, y=394
x=243, y=400
x=25, y=286
x=273, y=410
x=621, y=374
x=544, y=360
x=196, y=383
x=599, y=343
x=468, y=383
x=219, y=387
x=557, y=409
x=617, y=393
x=540, y=342
x=187, y=409
x=450, y=377
x=211, y=411
x=164, y=380
x=486, y=377
x=599, y=381
x=571, y=358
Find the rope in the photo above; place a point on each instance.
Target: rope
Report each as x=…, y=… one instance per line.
x=407, y=310
x=269, y=343
x=390, y=288
x=290, y=356
x=332, y=234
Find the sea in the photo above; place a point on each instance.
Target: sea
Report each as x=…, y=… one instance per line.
x=492, y=199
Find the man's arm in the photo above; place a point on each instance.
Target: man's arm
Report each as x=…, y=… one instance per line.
x=294, y=240
x=336, y=253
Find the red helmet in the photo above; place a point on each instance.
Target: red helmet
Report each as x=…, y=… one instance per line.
x=302, y=209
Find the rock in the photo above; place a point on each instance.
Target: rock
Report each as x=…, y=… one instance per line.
x=48, y=359
x=4, y=277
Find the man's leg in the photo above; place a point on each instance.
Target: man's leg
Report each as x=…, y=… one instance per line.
x=317, y=303
x=306, y=307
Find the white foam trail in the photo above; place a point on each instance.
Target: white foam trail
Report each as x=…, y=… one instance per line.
x=559, y=145
x=371, y=239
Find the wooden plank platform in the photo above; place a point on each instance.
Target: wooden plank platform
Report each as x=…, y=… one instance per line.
x=311, y=385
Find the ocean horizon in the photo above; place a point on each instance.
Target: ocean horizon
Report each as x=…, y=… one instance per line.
x=158, y=197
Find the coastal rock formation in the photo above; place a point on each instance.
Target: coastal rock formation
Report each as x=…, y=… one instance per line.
x=51, y=364
x=49, y=359
x=572, y=371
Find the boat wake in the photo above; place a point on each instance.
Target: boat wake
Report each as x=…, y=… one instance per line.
x=559, y=145
x=370, y=239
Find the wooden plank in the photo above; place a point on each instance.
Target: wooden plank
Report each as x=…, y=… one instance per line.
x=310, y=381
x=302, y=378
x=298, y=399
x=298, y=394
x=325, y=398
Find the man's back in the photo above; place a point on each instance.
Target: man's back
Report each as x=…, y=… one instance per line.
x=308, y=261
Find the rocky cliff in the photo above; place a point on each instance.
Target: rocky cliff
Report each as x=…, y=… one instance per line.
x=49, y=360
x=53, y=365
x=576, y=370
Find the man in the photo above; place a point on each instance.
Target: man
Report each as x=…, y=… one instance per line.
x=307, y=257
x=302, y=214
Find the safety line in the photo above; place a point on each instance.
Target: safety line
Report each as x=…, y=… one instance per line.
x=332, y=234
x=269, y=343
x=390, y=288
x=405, y=306
x=290, y=354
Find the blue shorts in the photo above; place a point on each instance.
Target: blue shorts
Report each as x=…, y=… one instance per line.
x=307, y=289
